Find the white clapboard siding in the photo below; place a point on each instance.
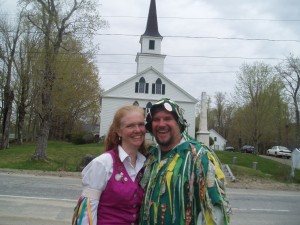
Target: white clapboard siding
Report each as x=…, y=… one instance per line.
x=124, y=94
x=220, y=141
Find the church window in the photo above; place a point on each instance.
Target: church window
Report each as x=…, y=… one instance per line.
x=147, y=109
x=158, y=87
x=141, y=86
x=151, y=44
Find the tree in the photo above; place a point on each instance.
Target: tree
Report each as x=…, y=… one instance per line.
x=56, y=19
x=227, y=117
x=76, y=95
x=220, y=116
x=220, y=108
x=25, y=65
x=289, y=71
x=256, y=89
x=10, y=34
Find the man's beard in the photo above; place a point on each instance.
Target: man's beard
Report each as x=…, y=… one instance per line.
x=165, y=143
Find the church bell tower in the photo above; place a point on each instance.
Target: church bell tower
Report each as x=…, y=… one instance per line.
x=150, y=55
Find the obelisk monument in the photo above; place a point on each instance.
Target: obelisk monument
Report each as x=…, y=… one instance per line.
x=203, y=134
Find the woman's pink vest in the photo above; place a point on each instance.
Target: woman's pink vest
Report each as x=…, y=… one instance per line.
x=121, y=200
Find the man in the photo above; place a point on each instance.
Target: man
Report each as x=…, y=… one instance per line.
x=182, y=179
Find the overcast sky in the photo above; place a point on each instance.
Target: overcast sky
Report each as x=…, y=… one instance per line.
x=205, y=41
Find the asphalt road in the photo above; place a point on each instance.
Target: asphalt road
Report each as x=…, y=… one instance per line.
x=37, y=200
x=46, y=200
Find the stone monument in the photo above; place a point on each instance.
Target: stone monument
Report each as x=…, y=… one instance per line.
x=203, y=133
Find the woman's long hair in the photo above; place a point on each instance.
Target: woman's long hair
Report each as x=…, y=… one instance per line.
x=112, y=139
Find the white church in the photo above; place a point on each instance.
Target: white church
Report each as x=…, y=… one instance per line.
x=149, y=84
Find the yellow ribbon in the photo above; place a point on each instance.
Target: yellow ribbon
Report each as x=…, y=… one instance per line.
x=219, y=171
x=169, y=175
x=89, y=211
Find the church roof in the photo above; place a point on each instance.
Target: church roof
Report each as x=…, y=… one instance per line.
x=145, y=73
x=152, y=27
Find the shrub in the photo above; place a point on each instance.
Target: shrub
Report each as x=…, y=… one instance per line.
x=78, y=139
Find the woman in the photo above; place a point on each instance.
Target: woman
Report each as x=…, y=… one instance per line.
x=111, y=192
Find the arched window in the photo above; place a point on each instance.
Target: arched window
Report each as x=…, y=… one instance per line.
x=158, y=87
x=148, y=107
x=141, y=86
x=136, y=103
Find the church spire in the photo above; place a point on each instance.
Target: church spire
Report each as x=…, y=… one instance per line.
x=150, y=55
x=152, y=27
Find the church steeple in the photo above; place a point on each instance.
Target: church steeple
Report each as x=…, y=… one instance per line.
x=150, y=55
x=152, y=27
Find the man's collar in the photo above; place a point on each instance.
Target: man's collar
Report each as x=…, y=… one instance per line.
x=181, y=141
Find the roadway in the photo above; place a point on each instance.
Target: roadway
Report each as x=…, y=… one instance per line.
x=49, y=200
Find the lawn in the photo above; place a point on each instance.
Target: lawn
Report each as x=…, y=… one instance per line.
x=265, y=168
x=63, y=156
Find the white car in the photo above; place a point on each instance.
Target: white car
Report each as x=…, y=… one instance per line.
x=279, y=151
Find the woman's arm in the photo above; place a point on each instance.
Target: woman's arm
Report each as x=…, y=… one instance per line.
x=94, y=179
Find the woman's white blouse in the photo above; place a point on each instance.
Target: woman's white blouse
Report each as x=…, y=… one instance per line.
x=97, y=173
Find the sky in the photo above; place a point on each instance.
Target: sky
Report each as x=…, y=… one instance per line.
x=205, y=42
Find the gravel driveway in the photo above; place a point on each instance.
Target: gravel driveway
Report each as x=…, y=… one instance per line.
x=281, y=160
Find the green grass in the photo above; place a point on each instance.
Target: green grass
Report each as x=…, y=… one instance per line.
x=63, y=156
x=266, y=168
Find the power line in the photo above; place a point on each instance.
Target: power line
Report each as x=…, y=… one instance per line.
x=168, y=64
x=209, y=18
x=207, y=37
x=234, y=38
x=170, y=56
x=171, y=73
x=191, y=37
x=192, y=18
x=197, y=56
x=220, y=57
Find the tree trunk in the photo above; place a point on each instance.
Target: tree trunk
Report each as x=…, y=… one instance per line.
x=9, y=96
x=25, y=67
x=297, y=125
x=49, y=76
x=43, y=133
x=42, y=141
x=20, y=124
